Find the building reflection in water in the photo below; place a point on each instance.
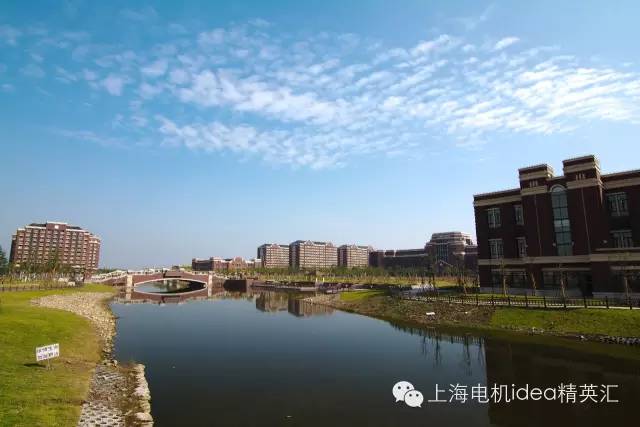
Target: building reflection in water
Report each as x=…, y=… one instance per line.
x=536, y=364
x=291, y=302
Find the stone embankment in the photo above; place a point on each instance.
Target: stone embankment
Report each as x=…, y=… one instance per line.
x=118, y=395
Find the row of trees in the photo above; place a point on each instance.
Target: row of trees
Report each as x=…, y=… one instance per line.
x=30, y=269
x=426, y=273
x=4, y=262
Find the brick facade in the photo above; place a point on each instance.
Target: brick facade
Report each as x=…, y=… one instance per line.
x=39, y=244
x=581, y=229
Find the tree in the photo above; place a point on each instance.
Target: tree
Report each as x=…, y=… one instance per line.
x=503, y=276
x=4, y=264
x=562, y=282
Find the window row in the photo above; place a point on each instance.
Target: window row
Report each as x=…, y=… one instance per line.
x=496, y=248
x=495, y=220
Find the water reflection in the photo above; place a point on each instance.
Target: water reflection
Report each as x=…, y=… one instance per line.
x=269, y=370
x=291, y=302
x=169, y=287
x=471, y=348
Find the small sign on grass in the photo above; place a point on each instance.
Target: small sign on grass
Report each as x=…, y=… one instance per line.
x=47, y=352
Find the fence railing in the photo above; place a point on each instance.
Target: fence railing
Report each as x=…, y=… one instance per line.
x=526, y=301
x=38, y=287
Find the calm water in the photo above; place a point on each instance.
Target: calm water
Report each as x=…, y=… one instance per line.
x=270, y=360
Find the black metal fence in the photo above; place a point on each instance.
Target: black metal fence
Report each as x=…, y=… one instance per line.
x=526, y=301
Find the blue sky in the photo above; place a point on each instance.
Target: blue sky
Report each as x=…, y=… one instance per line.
x=182, y=129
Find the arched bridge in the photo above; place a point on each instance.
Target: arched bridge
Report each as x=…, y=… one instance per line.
x=137, y=279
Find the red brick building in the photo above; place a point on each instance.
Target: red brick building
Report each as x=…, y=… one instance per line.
x=221, y=264
x=354, y=255
x=69, y=245
x=580, y=229
x=273, y=255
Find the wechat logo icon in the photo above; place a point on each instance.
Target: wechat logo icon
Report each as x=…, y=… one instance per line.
x=404, y=391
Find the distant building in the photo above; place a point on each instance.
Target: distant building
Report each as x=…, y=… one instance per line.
x=353, y=256
x=69, y=245
x=208, y=264
x=399, y=258
x=221, y=264
x=273, y=255
x=453, y=248
x=580, y=229
x=310, y=254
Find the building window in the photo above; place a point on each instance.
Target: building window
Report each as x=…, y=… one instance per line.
x=533, y=183
x=580, y=176
x=493, y=215
x=622, y=239
x=618, y=205
x=522, y=247
x=519, y=214
x=561, y=224
x=442, y=252
x=495, y=248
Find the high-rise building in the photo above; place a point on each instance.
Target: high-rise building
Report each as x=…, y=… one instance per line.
x=55, y=242
x=310, y=254
x=273, y=255
x=580, y=230
x=353, y=255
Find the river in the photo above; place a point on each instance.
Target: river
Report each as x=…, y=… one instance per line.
x=269, y=359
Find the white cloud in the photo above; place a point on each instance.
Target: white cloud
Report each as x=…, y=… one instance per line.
x=143, y=14
x=9, y=34
x=155, y=69
x=33, y=70
x=178, y=76
x=114, y=84
x=89, y=75
x=213, y=37
x=505, y=42
x=323, y=100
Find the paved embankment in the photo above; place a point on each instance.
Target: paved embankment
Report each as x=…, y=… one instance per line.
x=118, y=396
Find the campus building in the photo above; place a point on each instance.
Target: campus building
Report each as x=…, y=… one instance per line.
x=311, y=254
x=399, y=258
x=273, y=255
x=55, y=242
x=453, y=248
x=353, y=256
x=222, y=264
x=579, y=230
x=444, y=251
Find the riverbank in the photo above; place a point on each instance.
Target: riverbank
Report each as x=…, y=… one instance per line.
x=83, y=383
x=585, y=328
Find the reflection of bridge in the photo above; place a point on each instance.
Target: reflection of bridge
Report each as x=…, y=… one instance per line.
x=133, y=280
x=130, y=280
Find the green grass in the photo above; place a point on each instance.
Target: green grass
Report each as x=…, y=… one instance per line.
x=31, y=395
x=616, y=322
x=359, y=295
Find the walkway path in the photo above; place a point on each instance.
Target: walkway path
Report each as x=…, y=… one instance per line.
x=118, y=395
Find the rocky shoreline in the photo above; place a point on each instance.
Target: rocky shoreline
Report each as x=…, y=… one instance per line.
x=118, y=395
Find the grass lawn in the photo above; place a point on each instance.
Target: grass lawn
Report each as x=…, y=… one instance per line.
x=359, y=295
x=31, y=395
x=616, y=322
